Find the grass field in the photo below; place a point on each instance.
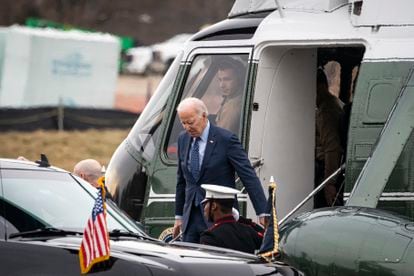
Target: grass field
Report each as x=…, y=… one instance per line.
x=63, y=149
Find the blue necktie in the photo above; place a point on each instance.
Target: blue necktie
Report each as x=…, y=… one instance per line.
x=195, y=159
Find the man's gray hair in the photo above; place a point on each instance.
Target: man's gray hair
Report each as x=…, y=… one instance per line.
x=194, y=103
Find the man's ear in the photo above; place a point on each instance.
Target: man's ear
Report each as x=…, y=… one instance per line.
x=83, y=176
x=214, y=206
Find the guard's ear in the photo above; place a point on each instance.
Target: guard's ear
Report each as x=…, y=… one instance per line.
x=213, y=205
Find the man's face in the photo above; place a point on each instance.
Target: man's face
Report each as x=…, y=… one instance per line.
x=192, y=122
x=228, y=81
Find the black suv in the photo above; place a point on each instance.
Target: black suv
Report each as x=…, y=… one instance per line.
x=43, y=211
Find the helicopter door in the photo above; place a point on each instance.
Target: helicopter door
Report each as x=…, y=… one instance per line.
x=282, y=131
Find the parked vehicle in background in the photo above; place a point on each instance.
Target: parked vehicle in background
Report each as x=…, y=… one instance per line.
x=156, y=58
x=163, y=53
x=43, y=211
x=138, y=60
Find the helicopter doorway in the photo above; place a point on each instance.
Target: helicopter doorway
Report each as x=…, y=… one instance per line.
x=285, y=130
x=282, y=131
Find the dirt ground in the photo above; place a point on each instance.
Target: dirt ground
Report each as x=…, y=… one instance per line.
x=134, y=91
x=63, y=148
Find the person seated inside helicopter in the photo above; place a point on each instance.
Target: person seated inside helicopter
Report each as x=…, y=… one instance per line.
x=329, y=149
x=230, y=75
x=226, y=231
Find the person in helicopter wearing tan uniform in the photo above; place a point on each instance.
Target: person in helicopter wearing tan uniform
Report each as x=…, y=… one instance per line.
x=230, y=77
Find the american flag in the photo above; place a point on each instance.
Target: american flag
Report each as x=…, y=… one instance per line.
x=95, y=242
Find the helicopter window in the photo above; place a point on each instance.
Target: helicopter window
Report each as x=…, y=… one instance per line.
x=219, y=81
x=145, y=132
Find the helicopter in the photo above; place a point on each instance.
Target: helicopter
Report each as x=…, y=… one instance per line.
x=279, y=46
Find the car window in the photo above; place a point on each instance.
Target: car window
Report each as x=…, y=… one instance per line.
x=5, y=226
x=219, y=81
x=35, y=199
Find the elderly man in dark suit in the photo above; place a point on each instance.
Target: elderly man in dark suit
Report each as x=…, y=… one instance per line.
x=208, y=154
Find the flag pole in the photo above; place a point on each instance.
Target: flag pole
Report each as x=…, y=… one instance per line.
x=273, y=225
x=101, y=182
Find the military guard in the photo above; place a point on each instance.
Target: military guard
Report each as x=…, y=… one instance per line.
x=226, y=231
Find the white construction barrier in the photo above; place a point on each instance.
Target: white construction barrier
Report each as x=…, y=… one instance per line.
x=46, y=67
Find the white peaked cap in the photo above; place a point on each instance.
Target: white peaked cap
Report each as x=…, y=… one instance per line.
x=219, y=192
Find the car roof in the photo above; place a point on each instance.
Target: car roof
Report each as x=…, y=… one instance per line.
x=25, y=165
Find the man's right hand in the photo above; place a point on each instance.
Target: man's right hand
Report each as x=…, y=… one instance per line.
x=264, y=221
x=177, y=227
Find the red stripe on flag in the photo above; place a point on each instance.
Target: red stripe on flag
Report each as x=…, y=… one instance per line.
x=96, y=243
x=88, y=241
x=100, y=234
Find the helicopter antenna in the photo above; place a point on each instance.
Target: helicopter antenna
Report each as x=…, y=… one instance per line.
x=279, y=8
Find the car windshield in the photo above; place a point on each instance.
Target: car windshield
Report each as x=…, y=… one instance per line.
x=38, y=199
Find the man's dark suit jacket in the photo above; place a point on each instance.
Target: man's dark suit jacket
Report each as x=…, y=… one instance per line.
x=223, y=156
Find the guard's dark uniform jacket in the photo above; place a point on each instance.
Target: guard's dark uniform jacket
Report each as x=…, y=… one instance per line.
x=228, y=233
